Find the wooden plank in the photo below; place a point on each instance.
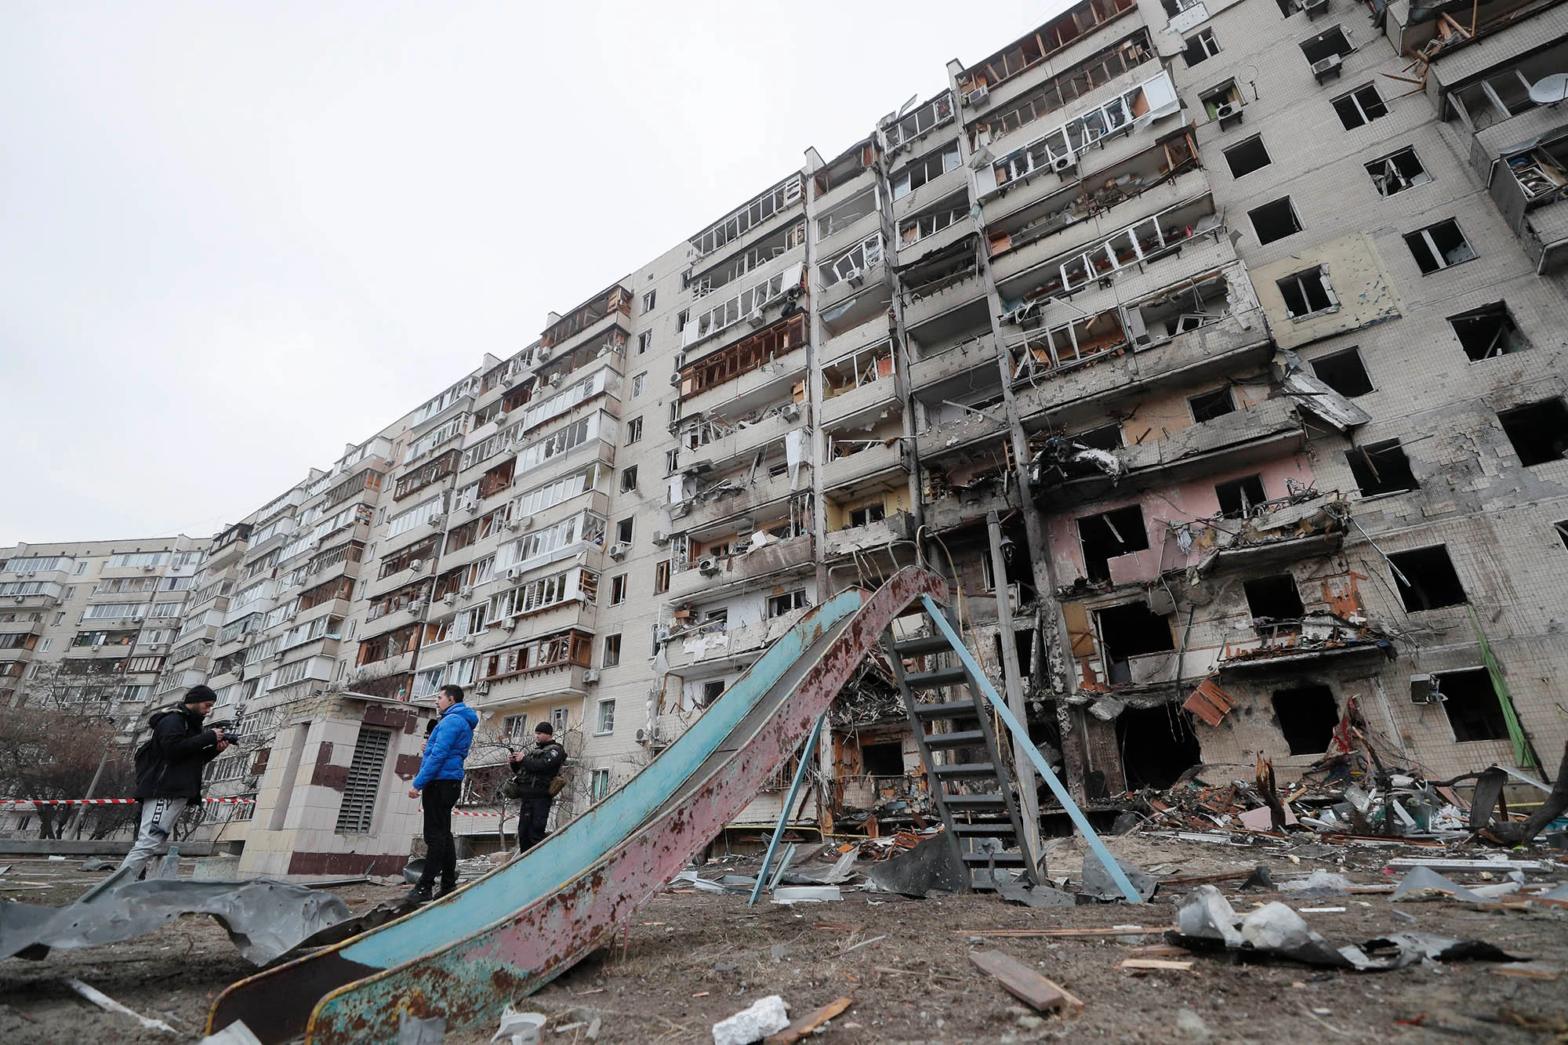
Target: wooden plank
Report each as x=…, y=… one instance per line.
x=1125, y=930
x=1024, y=983
x=1155, y=964
x=808, y=1023
x=1528, y=971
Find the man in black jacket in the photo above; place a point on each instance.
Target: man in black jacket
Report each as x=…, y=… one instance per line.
x=534, y=772
x=168, y=771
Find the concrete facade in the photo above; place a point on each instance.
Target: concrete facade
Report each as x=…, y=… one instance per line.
x=1244, y=316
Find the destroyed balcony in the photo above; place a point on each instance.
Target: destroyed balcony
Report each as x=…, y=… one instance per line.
x=715, y=575
x=858, y=405
x=932, y=303
x=953, y=180
x=710, y=645
x=1289, y=647
x=1266, y=431
x=735, y=497
x=1529, y=185
x=375, y=588
x=844, y=235
x=872, y=536
x=742, y=441
x=924, y=235
x=965, y=432
x=845, y=275
x=746, y=374
x=1004, y=77
x=860, y=386
x=962, y=506
x=930, y=370
x=1278, y=534
x=882, y=461
x=587, y=320
x=531, y=693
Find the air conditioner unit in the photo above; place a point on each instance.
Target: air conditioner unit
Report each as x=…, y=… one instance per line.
x=790, y=411
x=541, y=355
x=467, y=640
x=1326, y=67
x=436, y=521
x=644, y=736
x=619, y=549
x=500, y=416
x=450, y=598
x=1062, y=163
x=465, y=591
x=472, y=507
x=415, y=565
x=1227, y=111
x=507, y=379
x=513, y=572
x=675, y=379
x=708, y=566
x=590, y=676
x=660, y=538
x=554, y=379
x=510, y=624
x=148, y=569
x=977, y=96
x=855, y=277
x=481, y=688
x=755, y=317
x=525, y=522
x=1314, y=7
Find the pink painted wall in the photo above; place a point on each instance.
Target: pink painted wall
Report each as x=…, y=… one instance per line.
x=1184, y=502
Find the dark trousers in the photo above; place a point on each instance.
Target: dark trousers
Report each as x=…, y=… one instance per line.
x=439, y=796
x=532, y=815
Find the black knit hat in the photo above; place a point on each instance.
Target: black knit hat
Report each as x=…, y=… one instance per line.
x=545, y=728
x=198, y=694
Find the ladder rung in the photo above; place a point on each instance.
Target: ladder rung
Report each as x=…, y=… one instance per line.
x=967, y=769
x=962, y=738
x=975, y=803
x=955, y=709
x=1000, y=859
x=920, y=647
x=991, y=830
x=939, y=677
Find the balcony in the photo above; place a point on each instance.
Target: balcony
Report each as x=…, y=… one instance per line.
x=515, y=694
x=328, y=608
x=879, y=461
x=913, y=244
x=743, y=441
x=1290, y=647
x=712, y=646
x=732, y=572
x=977, y=352
x=1012, y=71
x=934, y=304
x=1279, y=533
x=1529, y=184
x=875, y=536
x=857, y=404
x=733, y=499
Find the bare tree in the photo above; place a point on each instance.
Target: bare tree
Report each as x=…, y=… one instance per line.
x=54, y=753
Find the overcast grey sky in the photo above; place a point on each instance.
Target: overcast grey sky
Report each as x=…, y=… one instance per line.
x=234, y=237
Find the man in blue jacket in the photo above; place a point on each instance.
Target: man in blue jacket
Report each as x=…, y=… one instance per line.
x=441, y=781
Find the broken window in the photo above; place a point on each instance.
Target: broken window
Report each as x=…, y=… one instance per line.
x=778, y=605
x=661, y=577
x=1108, y=535
x=1249, y=156
x=612, y=651
x=851, y=265
x=1344, y=372
x=1538, y=432
x=1275, y=220
x=1105, y=437
x=1494, y=99
x=927, y=168
x=1307, y=717
x=1200, y=48
x=1472, y=704
x=1396, y=173
x=633, y=430
x=1275, y=598
x=867, y=514
x=648, y=299
x=882, y=759
x=1329, y=46
x=1562, y=531
x=1157, y=745
x=644, y=340
x=1239, y=496
x=711, y=691
x=617, y=589
x=917, y=228
x=1380, y=468
x=1222, y=103
x=1307, y=293
x=1360, y=107
x=623, y=531
x=628, y=479
x=737, y=223
x=1426, y=578
x=1209, y=405
x=1487, y=331
x=672, y=461
x=1129, y=631
x=1439, y=246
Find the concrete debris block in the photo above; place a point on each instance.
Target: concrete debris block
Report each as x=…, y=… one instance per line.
x=764, y=1017
x=1098, y=884
x=1261, y=819
x=92, y=863
x=169, y=866
x=594, y=1025
x=411, y=1030
x=791, y=894
x=520, y=1028
x=1318, y=883
x=215, y=868
x=235, y=1033
x=1190, y=1025
x=1423, y=883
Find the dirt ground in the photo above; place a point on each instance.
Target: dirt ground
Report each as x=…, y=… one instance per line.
x=692, y=959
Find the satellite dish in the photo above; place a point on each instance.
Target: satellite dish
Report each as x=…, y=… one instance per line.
x=1549, y=90
x=902, y=109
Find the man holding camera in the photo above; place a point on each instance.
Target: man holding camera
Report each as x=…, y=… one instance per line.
x=168, y=771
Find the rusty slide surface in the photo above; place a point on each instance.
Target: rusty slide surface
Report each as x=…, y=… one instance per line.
x=517, y=928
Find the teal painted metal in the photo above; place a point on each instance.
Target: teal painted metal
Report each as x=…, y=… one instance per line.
x=1082, y=822
x=582, y=843
x=789, y=803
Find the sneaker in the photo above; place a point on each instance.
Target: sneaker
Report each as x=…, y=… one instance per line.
x=444, y=890
x=419, y=897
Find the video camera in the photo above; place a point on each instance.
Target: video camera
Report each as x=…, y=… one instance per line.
x=231, y=730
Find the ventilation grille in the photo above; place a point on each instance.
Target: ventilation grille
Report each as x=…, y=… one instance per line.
x=364, y=780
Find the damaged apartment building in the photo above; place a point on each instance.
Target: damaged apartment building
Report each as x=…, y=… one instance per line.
x=1242, y=320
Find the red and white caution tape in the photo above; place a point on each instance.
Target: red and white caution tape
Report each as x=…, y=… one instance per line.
x=100, y=801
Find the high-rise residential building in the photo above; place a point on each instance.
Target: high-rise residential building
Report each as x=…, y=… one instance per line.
x=1241, y=317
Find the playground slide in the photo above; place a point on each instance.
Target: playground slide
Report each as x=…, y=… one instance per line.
x=508, y=934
